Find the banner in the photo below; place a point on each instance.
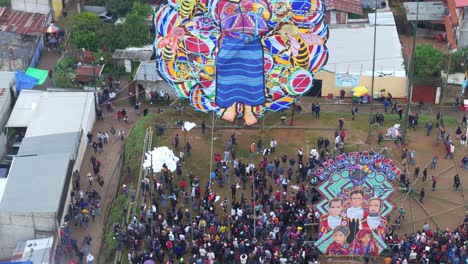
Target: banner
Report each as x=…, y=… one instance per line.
x=356, y=191
x=346, y=80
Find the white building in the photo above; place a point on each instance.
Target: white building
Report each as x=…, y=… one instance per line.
x=37, y=188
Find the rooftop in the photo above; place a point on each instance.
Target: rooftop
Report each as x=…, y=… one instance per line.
x=22, y=22
x=33, y=109
x=360, y=40
x=17, y=51
x=147, y=72
x=350, y=6
x=135, y=54
x=35, y=183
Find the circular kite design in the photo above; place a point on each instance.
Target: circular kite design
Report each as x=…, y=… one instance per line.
x=241, y=58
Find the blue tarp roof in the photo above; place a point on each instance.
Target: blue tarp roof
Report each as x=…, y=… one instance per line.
x=24, y=81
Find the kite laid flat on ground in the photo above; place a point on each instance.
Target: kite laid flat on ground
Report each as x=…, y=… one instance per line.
x=240, y=58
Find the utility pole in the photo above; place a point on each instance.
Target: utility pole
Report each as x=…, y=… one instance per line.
x=410, y=75
x=373, y=72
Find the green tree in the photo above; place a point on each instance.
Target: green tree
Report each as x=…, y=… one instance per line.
x=142, y=9
x=457, y=63
x=134, y=33
x=119, y=7
x=427, y=61
x=84, y=31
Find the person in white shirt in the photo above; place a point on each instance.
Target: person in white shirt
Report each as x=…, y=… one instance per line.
x=90, y=259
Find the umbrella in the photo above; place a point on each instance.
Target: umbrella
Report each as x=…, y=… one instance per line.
x=149, y=261
x=359, y=91
x=52, y=28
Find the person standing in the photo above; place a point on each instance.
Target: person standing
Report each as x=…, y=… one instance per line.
x=273, y=144
x=429, y=126
x=416, y=172
x=317, y=110
x=176, y=141
x=434, y=183
x=434, y=161
x=203, y=127
x=422, y=193
x=400, y=113
x=394, y=107
x=341, y=123
x=456, y=182
x=424, y=174
x=380, y=138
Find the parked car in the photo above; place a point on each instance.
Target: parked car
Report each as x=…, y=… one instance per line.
x=107, y=17
x=13, y=152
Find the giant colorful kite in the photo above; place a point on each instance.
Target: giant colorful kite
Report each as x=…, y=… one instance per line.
x=241, y=58
x=356, y=190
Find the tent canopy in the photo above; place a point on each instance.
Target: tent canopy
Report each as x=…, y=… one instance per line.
x=24, y=81
x=39, y=74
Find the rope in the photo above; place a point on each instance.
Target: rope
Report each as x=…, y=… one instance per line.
x=211, y=152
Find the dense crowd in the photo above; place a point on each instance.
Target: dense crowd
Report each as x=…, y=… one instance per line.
x=266, y=218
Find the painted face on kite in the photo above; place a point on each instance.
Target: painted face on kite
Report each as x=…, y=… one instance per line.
x=240, y=58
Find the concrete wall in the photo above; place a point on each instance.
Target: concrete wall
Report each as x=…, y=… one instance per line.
x=5, y=111
x=32, y=6
x=89, y=117
x=394, y=85
x=15, y=227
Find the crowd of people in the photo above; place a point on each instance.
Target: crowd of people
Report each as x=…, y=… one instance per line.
x=266, y=218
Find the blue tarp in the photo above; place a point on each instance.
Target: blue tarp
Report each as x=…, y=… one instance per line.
x=24, y=81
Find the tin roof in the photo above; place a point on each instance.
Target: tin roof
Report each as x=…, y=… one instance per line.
x=22, y=22
x=350, y=6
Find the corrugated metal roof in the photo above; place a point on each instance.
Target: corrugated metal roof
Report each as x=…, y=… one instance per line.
x=36, y=183
x=132, y=54
x=88, y=73
x=49, y=144
x=147, y=72
x=427, y=11
x=22, y=22
x=350, y=6
x=389, y=58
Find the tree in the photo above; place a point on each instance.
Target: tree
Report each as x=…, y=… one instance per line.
x=427, y=62
x=141, y=9
x=135, y=33
x=84, y=31
x=457, y=63
x=119, y=7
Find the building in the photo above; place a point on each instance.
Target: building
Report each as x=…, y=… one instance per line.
x=351, y=58
x=46, y=7
x=125, y=58
x=18, y=52
x=337, y=11
x=460, y=28
x=36, y=193
x=147, y=76
x=21, y=38
x=7, y=91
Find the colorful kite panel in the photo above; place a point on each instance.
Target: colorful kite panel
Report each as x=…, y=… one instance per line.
x=356, y=191
x=241, y=58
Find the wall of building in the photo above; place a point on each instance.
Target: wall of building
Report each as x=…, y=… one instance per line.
x=89, y=117
x=32, y=6
x=15, y=227
x=394, y=85
x=5, y=111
